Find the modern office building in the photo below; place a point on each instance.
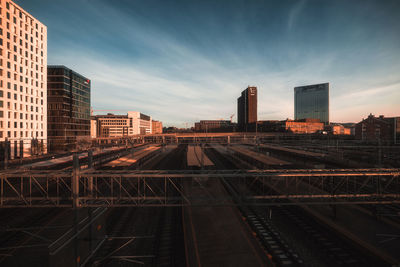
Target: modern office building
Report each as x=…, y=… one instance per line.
x=312, y=102
x=156, y=127
x=68, y=108
x=247, y=107
x=23, y=80
x=134, y=123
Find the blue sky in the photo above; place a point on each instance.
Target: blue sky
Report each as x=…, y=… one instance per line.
x=182, y=61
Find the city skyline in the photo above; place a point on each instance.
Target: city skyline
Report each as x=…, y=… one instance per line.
x=196, y=57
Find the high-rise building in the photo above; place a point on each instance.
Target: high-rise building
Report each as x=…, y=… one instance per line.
x=68, y=116
x=312, y=102
x=247, y=106
x=23, y=80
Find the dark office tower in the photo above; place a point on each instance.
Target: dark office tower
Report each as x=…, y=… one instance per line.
x=312, y=102
x=68, y=109
x=247, y=106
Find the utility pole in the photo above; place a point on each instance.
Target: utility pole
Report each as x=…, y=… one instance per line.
x=75, y=199
x=257, y=135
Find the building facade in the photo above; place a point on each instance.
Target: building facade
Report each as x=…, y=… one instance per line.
x=156, y=127
x=23, y=80
x=134, y=123
x=376, y=129
x=214, y=126
x=68, y=108
x=339, y=129
x=93, y=127
x=306, y=126
x=312, y=102
x=247, y=106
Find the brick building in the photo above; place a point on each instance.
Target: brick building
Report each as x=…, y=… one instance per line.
x=378, y=129
x=214, y=126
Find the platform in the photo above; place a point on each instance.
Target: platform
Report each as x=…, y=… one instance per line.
x=196, y=157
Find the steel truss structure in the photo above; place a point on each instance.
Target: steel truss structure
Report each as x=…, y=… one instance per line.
x=189, y=188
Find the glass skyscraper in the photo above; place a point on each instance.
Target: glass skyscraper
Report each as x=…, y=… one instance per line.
x=312, y=102
x=68, y=117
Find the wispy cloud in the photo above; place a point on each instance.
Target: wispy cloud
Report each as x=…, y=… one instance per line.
x=181, y=62
x=294, y=13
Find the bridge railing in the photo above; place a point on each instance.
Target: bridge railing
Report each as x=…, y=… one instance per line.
x=192, y=188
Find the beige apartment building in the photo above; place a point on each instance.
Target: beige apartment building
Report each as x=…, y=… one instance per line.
x=23, y=81
x=156, y=127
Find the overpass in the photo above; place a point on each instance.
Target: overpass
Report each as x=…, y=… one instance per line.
x=140, y=188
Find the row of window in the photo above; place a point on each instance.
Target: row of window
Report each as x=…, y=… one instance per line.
x=20, y=115
x=27, y=91
x=27, y=134
x=21, y=98
x=21, y=125
x=103, y=121
x=29, y=50
x=22, y=16
x=114, y=124
x=60, y=74
x=29, y=42
x=15, y=56
x=21, y=107
x=13, y=67
x=15, y=76
x=32, y=109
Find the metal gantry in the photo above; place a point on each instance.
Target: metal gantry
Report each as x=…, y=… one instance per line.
x=176, y=188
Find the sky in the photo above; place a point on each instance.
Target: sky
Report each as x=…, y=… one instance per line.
x=181, y=61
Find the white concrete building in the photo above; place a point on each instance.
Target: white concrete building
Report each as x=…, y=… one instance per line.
x=141, y=122
x=134, y=123
x=23, y=80
x=93, y=127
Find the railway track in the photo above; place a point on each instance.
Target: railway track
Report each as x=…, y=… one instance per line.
x=269, y=238
x=149, y=236
x=25, y=233
x=320, y=238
